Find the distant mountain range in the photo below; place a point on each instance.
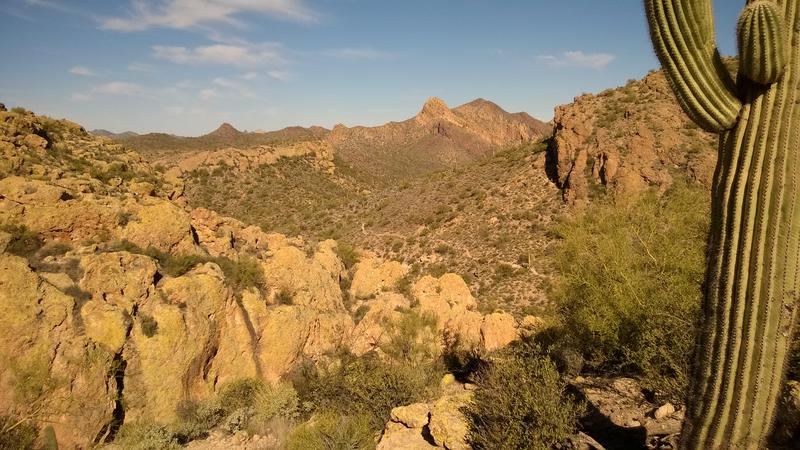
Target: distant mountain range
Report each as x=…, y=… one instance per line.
x=435, y=139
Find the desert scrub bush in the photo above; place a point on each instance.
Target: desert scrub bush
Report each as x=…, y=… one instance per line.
x=146, y=436
x=23, y=242
x=17, y=434
x=148, y=325
x=243, y=273
x=331, y=431
x=348, y=254
x=53, y=249
x=368, y=385
x=521, y=402
x=629, y=284
x=411, y=338
x=277, y=399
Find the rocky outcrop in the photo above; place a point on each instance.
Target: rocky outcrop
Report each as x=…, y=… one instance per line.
x=49, y=370
x=372, y=277
x=628, y=139
x=438, y=424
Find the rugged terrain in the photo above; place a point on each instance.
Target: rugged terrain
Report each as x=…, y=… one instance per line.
x=253, y=290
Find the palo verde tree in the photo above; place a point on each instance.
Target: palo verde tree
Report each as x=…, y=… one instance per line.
x=751, y=288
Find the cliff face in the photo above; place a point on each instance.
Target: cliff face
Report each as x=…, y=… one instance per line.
x=626, y=139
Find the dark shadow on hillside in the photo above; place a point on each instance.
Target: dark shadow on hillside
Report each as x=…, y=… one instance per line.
x=604, y=431
x=551, y=162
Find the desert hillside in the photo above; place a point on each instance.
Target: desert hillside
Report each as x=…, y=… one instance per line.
x=414, y=285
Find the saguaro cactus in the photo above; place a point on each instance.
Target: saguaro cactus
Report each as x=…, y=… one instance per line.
x=751, y=288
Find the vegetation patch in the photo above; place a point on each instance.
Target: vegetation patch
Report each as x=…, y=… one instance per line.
x=629, y=284
x=521, y=402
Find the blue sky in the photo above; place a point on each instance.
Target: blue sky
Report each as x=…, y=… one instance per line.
x=185, y=66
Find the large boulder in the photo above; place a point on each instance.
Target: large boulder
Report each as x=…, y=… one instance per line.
x=159, y=224
x=369, y=333
x=304, y=280
x=372, y=277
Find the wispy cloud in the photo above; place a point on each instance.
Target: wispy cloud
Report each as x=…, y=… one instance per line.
x=247, y=55
x=120, y=88
x=140, y=67
x=594, y=61
x=280, y=75
x=209, y=94
x=82, y=71
x=234, y=87
x=183, y=14
x=356, y=54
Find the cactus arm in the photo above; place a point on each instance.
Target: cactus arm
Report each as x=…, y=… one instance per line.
x=761, y=38
x=682, y=32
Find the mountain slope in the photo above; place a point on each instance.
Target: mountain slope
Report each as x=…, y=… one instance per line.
x=437, y=138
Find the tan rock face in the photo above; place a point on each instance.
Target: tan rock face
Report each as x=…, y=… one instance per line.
x=160, y=224
x=628, y=139
x=120, y=279
x=447, y=425
x=172, y=340
x=45, y=362
x=372, y=277
x=307, y=281
x=370, y=332
x=439, y=424
x=498, y=330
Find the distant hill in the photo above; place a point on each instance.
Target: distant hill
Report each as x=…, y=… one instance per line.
x=435, y=139
x=156, y=145
x=110, y=134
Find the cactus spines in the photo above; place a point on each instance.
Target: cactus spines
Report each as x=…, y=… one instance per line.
x=753, y=275
x=683, y=36
x=761, y=38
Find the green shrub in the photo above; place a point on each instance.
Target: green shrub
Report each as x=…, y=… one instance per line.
x=24, y=242
x=243, y=273
x=16, y=434
x=629, y=284
x=330, y=431
x=239, y=394
x=348, y=254
x=146, y=436
x=54, y=249
x=276, y=400
x=148, y=325
x=521, y=402
x=285, y=296
x=367, y=385
x=410, y=338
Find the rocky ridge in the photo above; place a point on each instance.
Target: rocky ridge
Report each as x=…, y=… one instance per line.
x=627, y=139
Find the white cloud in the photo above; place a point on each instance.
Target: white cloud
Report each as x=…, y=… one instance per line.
x=595, y=61
x=82, y=71
x=249, y=76
x=234, y=87
x=280, y=75
x=182, y=14
x=222, y=54
x=356, y=54
x=120, y=88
